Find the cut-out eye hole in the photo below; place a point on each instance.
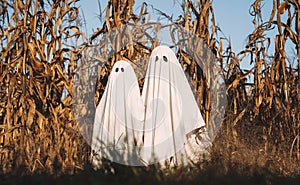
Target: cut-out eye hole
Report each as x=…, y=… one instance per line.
x=156, y=58
x=117, y=69
x=165, y=58
x=122, y=69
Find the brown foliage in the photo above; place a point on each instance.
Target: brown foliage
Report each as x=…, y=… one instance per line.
x=37, y=129
x=37, y=69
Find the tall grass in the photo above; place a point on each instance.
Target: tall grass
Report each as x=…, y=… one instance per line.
x=37, y=130
x=41, y=45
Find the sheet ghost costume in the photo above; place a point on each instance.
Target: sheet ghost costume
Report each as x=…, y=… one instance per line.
x=118, y=118
x=171, y=110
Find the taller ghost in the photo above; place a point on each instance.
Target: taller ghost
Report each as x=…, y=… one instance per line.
x=171, y=111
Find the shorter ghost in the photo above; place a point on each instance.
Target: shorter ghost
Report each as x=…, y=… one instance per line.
x=118, y=118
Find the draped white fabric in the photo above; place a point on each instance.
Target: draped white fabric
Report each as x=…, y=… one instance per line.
x=158, y=121
x=171, y=110
x=119, y=116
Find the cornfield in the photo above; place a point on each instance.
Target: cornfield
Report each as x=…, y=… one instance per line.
x=42, y=48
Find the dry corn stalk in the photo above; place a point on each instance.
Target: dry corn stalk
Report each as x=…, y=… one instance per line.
x=38, y=57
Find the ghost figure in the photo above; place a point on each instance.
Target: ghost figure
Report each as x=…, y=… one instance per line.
x=171, y=111
x=118, y=118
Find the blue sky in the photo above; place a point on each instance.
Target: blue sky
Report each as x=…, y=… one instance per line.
x=232, y=16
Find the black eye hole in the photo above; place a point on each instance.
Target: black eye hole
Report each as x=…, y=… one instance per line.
x=165, y=58
x=117, y=69
x=156, y=58
x=122, y=69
